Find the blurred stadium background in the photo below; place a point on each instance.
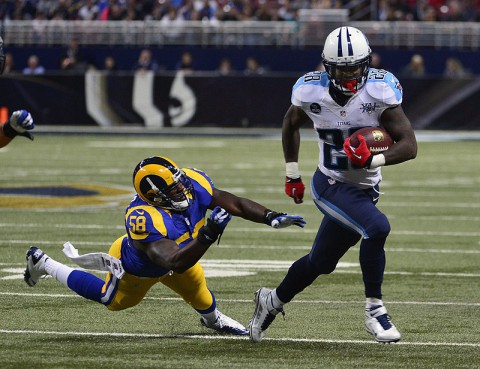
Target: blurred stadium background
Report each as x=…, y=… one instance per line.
x=433, y=202
x=284, y=37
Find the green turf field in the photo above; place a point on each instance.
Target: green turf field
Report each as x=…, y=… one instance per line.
x=431, y=288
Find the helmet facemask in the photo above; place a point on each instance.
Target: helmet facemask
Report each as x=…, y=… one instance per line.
x=348, y=78
x=178, y=196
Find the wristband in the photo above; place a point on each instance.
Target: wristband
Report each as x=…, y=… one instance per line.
x=292, y=170
x=208, y=234
x=377, y=161
x=270, y=215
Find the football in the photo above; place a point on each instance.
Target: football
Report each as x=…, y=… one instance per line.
x=378, y=140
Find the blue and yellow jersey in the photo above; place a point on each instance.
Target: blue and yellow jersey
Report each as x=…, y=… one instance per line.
x=147, y=223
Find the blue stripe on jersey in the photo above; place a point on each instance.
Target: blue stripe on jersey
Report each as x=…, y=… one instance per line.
x=337, y=214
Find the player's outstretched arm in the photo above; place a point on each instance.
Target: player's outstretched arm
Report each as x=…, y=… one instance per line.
x=253, y=211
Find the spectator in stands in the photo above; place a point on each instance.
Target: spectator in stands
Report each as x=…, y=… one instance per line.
x=33, y=66
x=225, y=67
x=109, y=64
x=253, y=67
x=207, y=10
x=287, y=10
x=416, y=67
x=89, y=11
x=145, y=62
x=186, y=62
x=455, y=69
x=113, y=12
x=72, y=58
x=376, y=61
x=9, y=64
x=320, y=67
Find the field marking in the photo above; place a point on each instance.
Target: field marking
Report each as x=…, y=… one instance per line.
x=225, y=337
x=247, y=267
x=250, y=301
x=272, y=230
x=256, y=247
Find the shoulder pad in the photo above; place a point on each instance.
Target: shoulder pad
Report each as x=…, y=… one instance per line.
x=200, y=177
x=310, y=87
x=384, y=86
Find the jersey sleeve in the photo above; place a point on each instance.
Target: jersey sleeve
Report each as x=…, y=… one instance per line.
x=385, y=87
x=309, y=88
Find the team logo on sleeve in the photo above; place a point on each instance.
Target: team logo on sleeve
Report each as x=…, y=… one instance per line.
x=398, y=86
x=315, y=108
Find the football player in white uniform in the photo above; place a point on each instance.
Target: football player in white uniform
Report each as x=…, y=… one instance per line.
x=20, y=122
x=166, y=235
x=348, y=96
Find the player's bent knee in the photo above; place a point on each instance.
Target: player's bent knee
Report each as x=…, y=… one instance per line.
x=379, y=228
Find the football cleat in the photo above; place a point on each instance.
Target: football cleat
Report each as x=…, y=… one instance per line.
x=380, y=326
x=35, y=266
x=224, y=324
x=262, y=317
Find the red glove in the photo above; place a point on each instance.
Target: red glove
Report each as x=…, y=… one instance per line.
x=295, y=189
x=360, y=155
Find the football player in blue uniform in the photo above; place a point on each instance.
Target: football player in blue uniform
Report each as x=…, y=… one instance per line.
x=20, y=122
x=347, y=96
x=166, y=235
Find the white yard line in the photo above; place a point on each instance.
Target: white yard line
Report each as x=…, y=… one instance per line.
x=250, y=301
x=220, y=337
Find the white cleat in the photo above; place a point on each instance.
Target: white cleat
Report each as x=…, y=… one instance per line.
x=262, y=317
x=35, y=266
x=380, y=326
x=224, y=324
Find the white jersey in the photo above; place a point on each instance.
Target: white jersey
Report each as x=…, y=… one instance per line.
x=334, y=123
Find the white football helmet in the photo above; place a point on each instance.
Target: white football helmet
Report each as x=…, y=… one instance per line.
x=346, y=57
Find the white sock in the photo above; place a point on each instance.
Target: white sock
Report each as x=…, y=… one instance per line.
x=274, y=302
x=372, y=301
x=58, y=270
x=211, y=317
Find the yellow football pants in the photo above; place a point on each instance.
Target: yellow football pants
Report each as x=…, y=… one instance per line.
x=130, y=290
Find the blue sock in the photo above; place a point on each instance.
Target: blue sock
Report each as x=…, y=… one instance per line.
x=86, y=285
